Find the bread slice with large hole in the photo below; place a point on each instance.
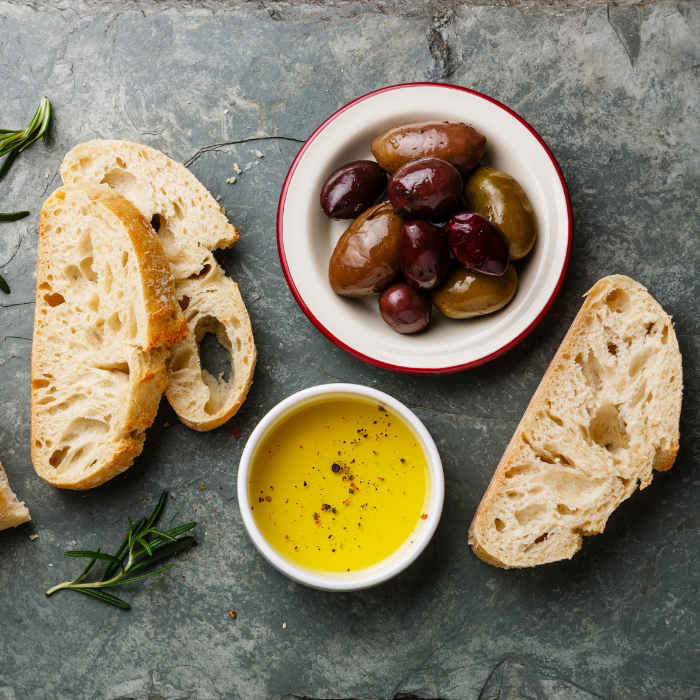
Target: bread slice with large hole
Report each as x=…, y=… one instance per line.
x=105, y=315
x=190, y=225
x=12, y=511
x=605, y=415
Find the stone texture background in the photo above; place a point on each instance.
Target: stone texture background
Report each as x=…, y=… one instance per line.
x=615, y=92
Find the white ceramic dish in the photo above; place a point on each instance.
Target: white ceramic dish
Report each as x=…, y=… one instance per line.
x=306, y=237
x=399, y=560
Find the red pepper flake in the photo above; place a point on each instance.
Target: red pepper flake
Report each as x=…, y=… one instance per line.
x=232, y=613
x=353, y=485
x=318, y=522
x=235, y=432
x=268, y=499
x=346, y=502
x=286, y=537
x=381, y=478
x=195, y=510
x=423, y=516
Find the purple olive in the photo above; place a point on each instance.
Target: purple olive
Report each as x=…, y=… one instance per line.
x=423, y=255
x=352, y=188
x=478, y=244
x=424, y=187
x=405, y=309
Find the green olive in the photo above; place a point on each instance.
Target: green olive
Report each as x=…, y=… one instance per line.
x=466, y=293
x=499, y=198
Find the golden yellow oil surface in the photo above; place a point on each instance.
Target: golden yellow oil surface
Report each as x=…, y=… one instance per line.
x=339, y=485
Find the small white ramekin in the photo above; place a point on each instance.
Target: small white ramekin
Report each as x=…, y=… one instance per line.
x=392, y=565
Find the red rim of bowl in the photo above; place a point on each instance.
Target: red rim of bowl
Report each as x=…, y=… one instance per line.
x=362, y=356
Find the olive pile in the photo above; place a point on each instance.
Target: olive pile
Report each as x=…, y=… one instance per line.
x=446, y=235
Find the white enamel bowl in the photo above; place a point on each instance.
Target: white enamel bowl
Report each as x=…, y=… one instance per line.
x=306, y=237
x=392, y=565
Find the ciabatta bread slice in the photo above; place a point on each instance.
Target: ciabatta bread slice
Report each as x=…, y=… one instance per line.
x=12, y=511
x=604, y=416
x=190, y=225
x=105, y=315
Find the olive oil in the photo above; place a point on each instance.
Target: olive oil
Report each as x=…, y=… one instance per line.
x=339, y=485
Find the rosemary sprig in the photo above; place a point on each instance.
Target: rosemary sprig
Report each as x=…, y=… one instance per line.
x=12, y=143
x=134, y=553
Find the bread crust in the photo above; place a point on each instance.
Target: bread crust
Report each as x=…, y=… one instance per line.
x=144, y=356
x=191, y=230
x=537, y=404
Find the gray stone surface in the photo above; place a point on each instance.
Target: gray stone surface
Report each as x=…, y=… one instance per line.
x=615, y=92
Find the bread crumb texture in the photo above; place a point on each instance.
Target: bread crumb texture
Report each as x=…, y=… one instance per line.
x=105, y=314
x=604, y=416
x=12, y=511
x=190, y=225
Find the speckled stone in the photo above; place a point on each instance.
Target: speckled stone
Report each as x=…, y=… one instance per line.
x=615, y=93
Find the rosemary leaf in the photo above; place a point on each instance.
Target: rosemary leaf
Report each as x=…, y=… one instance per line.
x=164, y=551
x=87, y=568
x=13, y=215
x=136, y=578
x=156, y=511
x=121, y=553
x=4, y=286
x=7, y=164
x=97, y=555
x=145, y=544
x=106, y=597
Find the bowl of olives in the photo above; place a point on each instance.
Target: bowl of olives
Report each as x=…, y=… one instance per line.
x=424, y=228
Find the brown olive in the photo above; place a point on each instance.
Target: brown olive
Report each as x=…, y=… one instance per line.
x=454, y=142
x=423, y=254
x=425, y=187
x=352, y=188
x=405, y=309
x=499, y=198
x=366, y=258
x=466, y=293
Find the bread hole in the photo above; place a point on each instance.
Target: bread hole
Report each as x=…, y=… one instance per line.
x=514, y=494
x=618, y=301
x=38, y=443
x=86, y=268
x=554, y=419
x=40, y=383
x=517, y=470
x=623, y=481
x=537, y=541
x=608, y=429
x=44, y=286
x=74, y=275
x=529, y=514
x=612, y=349
x=125, y=257
x=201, y=274
x=118, y=367
x=499, y=524
x=122, y=181
x=94, y=302
x=216, y=361
x=114, y=322
x=184, y=302
x=60, y=194
x=649, y=327
x=54, y=300
x=638, y=361
x=565, y=510
x=178, y=211
x=155, y=222
x=664, y=335
x=133, y=325
x=108, y=278
x=57, y=457
x=592, y=370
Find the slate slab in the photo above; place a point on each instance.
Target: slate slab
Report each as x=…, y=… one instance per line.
x=615, y=93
